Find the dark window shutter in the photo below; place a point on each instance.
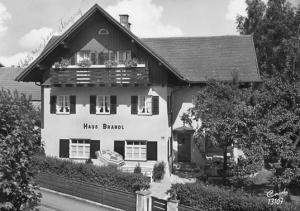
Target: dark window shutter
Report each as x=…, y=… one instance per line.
x=155, y=105
x=151, y=150
x=93, y=104
x=72, y=104
x=73, y=61
x=113, y=104
x=53, y=104
x=119, y=147
x=134, y=104
x=64, y=148
x=94, y=147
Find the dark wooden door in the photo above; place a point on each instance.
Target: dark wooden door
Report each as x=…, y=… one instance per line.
x=184, y=147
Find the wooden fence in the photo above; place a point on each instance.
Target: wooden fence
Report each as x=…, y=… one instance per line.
x=115, y=198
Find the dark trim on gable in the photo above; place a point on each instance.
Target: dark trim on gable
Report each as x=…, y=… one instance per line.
x=83, y=18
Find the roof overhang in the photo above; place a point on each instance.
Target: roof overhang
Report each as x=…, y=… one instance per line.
x=78, y=23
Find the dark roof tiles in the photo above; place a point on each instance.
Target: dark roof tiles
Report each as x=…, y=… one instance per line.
x=200, y=58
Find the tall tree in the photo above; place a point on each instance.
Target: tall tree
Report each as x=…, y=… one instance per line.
x=275, y=29
x=218, y=107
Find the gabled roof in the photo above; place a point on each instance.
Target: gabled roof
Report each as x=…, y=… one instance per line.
x=192, y=59
x=77, y=24
x=200, y=58
x=7, y=76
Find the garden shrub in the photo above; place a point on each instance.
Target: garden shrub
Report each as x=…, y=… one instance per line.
x=159, y=171
x=108, y=176
x=137, y=169
x=207, y=197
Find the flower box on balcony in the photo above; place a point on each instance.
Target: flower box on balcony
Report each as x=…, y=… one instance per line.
x=99, y=66
x=100, y=74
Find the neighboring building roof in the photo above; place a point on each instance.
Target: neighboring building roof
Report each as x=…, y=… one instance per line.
x=200, y=58
x=7, y=81
x=192, y=59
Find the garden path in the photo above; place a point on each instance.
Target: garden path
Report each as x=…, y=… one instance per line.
x=159, y=189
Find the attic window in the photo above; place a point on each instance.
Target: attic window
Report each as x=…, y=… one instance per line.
x=103, y=31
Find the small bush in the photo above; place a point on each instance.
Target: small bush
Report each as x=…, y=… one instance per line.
x=89, y=161
x=137, y=169
x=207, y=197
x=159, y=171
x=108, y=176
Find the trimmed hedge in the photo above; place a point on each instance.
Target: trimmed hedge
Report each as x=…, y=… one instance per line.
x=207, y=197
x=107, y=176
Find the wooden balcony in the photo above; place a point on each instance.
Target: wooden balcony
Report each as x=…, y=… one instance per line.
x=99, y=75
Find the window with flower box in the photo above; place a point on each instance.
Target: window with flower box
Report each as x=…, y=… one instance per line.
x=145, y=105
x=103, y=104
x=63, y=104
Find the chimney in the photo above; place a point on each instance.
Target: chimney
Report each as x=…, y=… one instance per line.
x=124, y=21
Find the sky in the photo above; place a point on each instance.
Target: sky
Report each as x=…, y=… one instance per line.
x=27, y=25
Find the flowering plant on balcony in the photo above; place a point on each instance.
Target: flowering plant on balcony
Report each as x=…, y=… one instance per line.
x=62, y=64
x=110, y=63
x=131, y=62
x=84, y=63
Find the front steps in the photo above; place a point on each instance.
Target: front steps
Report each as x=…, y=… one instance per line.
x=187, y=170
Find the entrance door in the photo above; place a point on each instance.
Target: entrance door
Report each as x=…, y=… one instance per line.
x=184, y=147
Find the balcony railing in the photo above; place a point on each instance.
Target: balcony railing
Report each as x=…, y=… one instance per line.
x=100, y=75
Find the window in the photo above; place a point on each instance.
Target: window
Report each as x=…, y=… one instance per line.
x=79, y=148
x=136, y=150
x=145, y=105
x=103, y=31
x=81, y=55
x=63, y=104
x=102, y=104
x=105, y=56
x=122, y=56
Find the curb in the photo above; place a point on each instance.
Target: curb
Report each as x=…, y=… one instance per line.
x=79, y=199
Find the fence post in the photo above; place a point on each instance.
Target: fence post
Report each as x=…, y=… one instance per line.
x=172, y=205
x=143, y=200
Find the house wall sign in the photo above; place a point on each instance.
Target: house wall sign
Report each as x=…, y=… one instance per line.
x=103, y=126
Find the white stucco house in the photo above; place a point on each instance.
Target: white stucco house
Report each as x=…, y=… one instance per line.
x=127, y=94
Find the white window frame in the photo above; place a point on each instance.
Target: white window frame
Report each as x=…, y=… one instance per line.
x=105, y=104
x=86, y=55
x=63, y=103
x=84, y=145
x=145, y=107
x=142, y=145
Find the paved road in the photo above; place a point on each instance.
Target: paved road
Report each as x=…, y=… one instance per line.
x=51, y=201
